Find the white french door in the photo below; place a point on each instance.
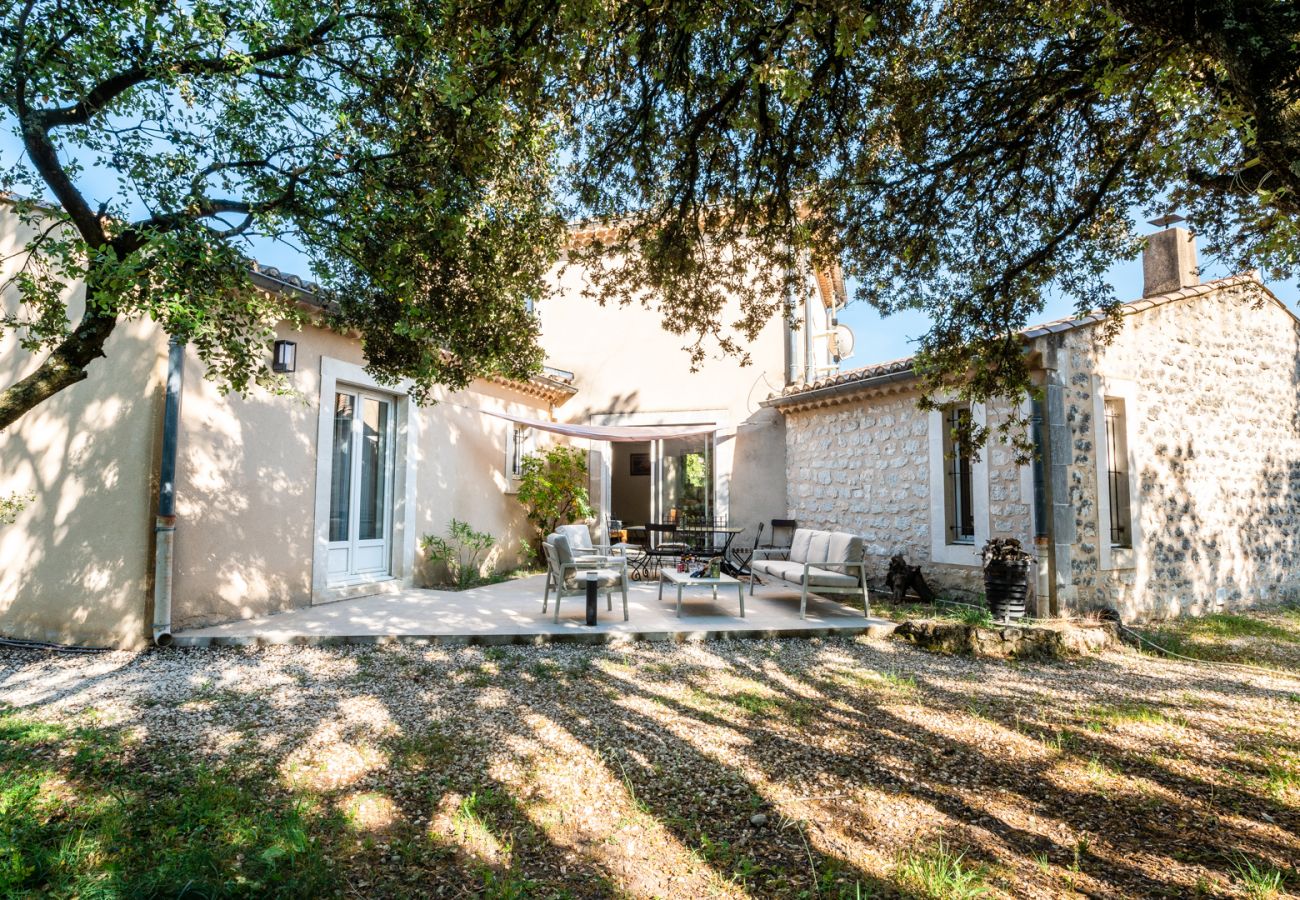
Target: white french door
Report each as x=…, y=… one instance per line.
x=361, y=486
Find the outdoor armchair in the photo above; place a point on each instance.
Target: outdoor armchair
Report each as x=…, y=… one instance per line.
x=570, y=577
x=579, y=536
x=820, y=562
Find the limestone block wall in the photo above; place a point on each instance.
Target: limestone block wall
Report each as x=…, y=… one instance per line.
x=863, y=466
x=1213, y=412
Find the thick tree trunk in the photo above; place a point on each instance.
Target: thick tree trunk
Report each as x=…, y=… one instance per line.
x=64, y=367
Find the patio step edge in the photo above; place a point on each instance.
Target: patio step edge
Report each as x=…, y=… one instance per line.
x=875, y=629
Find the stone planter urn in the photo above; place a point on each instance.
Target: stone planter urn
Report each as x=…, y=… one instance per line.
x=1006, y=578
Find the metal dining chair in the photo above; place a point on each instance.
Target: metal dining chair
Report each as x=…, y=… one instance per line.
x=661, y=545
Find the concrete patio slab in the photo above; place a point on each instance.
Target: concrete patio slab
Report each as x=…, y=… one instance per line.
x=511, y=613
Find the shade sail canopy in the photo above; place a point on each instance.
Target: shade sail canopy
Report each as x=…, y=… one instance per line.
x=614, y=433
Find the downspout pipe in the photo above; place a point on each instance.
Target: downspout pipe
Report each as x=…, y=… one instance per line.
x=807, y=292
x=791, y=339
x=164, y=529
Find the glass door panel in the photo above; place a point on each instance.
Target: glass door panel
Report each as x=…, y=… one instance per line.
x=361, y=460
x=374, y=468
x=686, y=477
x=341, y=467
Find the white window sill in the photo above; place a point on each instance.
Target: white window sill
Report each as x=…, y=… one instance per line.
x=1121, y=558
x=955, y=555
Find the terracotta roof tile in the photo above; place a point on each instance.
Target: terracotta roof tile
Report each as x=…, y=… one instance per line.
x=866, y=374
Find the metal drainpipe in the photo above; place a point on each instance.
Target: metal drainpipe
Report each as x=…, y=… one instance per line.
x=791, y=341
x=164, y=529
x=809, y=368
x=1052, y=400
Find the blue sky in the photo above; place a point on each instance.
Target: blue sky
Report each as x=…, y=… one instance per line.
x=884, y=338
x=877, y=338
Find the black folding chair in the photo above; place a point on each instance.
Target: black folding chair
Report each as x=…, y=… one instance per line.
x=782, y=535
x=739, y=555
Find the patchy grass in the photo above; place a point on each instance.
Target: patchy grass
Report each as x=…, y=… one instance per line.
x=1268, y=638
x=942, y=874
x=1257, y=882
x=752, y=702
x=81, y=814
x=1103, y=716
x=784, y=769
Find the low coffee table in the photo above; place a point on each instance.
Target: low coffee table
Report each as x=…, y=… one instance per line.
x=685, y=579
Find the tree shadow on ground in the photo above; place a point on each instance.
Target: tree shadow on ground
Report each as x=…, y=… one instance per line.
x=596, y=772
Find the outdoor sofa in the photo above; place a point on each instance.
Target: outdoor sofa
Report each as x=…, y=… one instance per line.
x=816, y=562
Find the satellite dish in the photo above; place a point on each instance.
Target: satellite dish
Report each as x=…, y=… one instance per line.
x=843, y=341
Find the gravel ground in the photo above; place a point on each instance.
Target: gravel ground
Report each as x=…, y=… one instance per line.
x=785, y=768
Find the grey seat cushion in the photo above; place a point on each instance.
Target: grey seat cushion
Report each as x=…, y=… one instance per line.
x=793, y=572
x=605, y=578
x=828, y=578
x=579, y=536
x=563, y=549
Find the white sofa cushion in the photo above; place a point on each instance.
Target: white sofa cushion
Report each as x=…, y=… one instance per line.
x=844, y=548
x=799, y=544
x=777, y=568
x=818, y=546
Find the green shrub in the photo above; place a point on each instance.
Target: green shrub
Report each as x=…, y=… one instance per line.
x=553, y=488
x=462, y=552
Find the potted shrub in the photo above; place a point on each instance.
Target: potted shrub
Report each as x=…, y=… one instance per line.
x=1006, y=578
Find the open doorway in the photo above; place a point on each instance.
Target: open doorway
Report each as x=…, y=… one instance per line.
x=631, y=482
x=650, y=479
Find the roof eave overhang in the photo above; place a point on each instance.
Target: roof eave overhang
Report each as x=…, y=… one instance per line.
x=831, y=395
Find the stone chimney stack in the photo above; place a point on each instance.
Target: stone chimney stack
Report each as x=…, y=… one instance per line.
x=1169, y=261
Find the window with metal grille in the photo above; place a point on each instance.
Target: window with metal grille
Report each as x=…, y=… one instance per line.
x=959, y=506
x=520, y=446
x=1121, y=513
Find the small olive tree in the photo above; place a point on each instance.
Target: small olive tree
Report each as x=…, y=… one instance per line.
x=553, y=488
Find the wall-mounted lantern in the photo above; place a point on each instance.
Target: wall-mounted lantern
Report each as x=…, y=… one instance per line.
x=286, y=357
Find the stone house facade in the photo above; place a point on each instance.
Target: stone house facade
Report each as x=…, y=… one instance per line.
x=1167, y=478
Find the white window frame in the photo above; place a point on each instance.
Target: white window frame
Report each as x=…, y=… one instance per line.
x=1111, y=557
x=527, y=438
x=336, y=373
x=601, y=459
x=941, y=551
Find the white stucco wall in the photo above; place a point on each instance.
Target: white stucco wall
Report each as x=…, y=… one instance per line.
x=626, y=365
x=247, y=486
x=76, y=565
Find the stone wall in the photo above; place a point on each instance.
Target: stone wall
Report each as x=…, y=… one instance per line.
x=1214, y=434
x=863, y=466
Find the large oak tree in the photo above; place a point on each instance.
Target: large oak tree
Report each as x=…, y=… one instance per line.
x=966, y=158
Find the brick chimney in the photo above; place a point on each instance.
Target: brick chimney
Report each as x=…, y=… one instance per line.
x=1169, y=261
